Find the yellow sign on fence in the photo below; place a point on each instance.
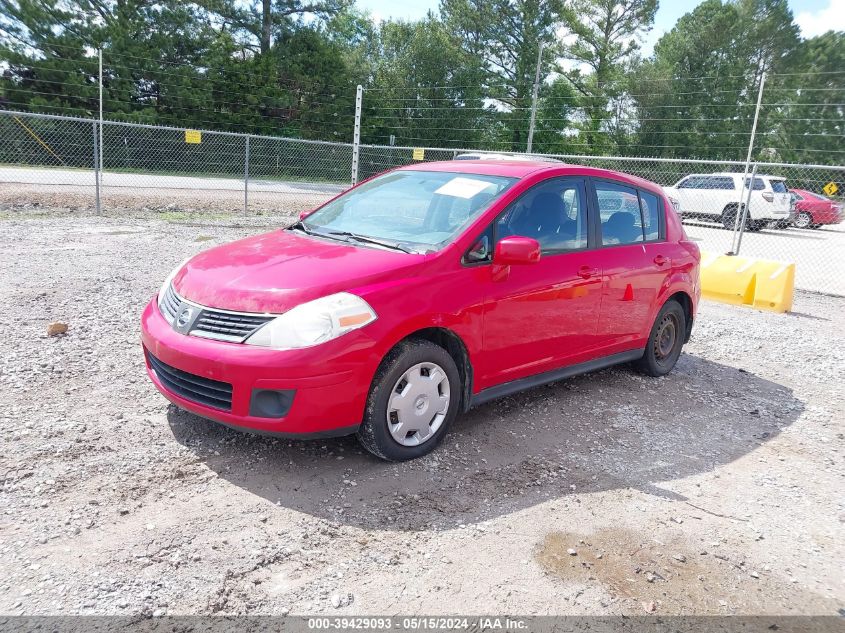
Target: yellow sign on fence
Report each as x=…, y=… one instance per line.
x=419, y=153
x=193, y=136
x=830, y=188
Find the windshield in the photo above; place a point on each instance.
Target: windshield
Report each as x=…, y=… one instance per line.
x=422, y=210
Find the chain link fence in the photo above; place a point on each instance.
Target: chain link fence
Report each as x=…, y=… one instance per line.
x=53, y=161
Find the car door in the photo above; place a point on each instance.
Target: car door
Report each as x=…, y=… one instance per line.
x=635, y=263
x=723, y=194
x=544, y=315
x=690, y=195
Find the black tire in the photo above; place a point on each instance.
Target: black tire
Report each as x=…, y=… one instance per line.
x=374, y=434
x=661, y=355
x=729, y=218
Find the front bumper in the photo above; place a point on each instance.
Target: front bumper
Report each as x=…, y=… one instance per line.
x=330, y=381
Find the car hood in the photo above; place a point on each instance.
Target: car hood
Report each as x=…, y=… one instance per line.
x=277, y=271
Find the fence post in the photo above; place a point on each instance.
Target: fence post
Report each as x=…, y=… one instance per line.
x=734, y=247
x=100, y=56
x=96, y=169
x=246, y=176
x=356, y=135
x=534, y=99
x=745, y=210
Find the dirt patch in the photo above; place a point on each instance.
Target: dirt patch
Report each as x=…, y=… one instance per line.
x=665, y=576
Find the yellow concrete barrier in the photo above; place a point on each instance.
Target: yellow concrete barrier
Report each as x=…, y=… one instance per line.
x=759, y=283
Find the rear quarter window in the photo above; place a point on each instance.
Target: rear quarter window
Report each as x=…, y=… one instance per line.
x=651, y=207
x=779, y=186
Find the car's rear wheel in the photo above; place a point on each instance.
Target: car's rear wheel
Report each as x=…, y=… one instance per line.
x=803, y=220
x=729, y=219
x=665, y=340
x=413, y=399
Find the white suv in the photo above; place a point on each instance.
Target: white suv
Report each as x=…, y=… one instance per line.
x=721, y=196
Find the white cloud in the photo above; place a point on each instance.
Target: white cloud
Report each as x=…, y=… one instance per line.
x=814, y=23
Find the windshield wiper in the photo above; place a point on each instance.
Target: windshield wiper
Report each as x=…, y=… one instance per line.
x=371, y=240
x=301, y=226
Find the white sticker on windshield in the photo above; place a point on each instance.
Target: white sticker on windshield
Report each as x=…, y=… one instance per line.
x=463, y=187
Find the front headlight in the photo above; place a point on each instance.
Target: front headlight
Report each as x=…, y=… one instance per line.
x=315, y=322
x=169, y=280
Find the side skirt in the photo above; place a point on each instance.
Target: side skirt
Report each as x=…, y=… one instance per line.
x=515, y=386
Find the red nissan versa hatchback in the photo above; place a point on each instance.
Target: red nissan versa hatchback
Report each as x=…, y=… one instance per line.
x=423, y=292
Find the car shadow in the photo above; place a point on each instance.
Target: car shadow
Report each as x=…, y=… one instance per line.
x=610, y=429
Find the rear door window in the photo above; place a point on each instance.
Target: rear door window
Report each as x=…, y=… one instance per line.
x=619, y=210
x=759, y=185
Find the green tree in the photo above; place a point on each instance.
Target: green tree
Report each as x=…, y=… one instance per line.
x=605, y=37
x=424, y=88
x=696, y=96
x=811, y=127
x=259, y=22
x=505, y=37
x=171, y=62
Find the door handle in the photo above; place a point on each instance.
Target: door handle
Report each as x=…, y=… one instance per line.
x=585, y=272
x=661, y=261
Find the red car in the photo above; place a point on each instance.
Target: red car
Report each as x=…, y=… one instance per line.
x=421, y=293
x=812, y=210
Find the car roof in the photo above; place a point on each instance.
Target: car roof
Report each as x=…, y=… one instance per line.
x=735, y=173
x=522, y=168
x=510, y=168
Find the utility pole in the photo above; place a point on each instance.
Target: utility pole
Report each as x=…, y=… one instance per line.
x=534, y=98
x=742, y=212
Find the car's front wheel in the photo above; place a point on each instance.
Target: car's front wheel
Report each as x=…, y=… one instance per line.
x=413, y=399
x=665, y=340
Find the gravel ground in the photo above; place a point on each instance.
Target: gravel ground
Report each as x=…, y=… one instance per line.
x=715, y=490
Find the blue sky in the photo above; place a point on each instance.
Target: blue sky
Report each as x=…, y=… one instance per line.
x=813, y=16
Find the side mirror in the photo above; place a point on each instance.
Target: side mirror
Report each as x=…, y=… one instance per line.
x=516, y=250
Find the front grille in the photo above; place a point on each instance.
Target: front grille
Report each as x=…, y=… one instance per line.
x=211, y=393
x=170, y=303
x=231, y=325
x=221, y=325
